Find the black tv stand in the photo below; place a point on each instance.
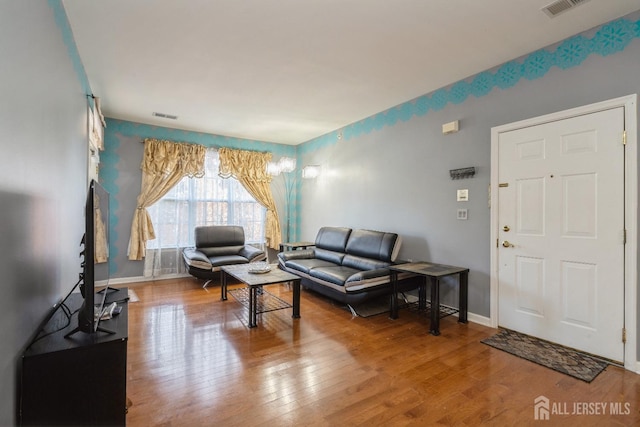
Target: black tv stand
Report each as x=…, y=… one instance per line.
x=115, y=295
x=98, y=329
x=107, y=290
x=76, y=382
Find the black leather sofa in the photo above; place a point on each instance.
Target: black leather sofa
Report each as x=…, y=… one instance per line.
x=347, y=265
x=216, y=246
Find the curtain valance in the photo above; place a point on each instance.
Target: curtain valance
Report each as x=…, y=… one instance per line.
x=162, y=157
x=250, y=169
x=243, y=163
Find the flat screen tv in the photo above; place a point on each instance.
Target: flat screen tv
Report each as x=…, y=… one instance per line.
x=95, y=266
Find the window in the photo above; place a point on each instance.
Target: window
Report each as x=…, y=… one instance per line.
x=210, y=200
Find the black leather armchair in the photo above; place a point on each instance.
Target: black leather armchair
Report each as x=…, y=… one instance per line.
x=216, y=246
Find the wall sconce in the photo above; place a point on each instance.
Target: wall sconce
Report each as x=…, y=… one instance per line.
x=462, y=173
x=311, y=171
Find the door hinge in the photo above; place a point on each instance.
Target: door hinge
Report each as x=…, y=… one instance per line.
x=624, y=335
x=624, y=236
x=624, y=137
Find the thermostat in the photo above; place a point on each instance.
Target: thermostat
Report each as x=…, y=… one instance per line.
x=463, y=195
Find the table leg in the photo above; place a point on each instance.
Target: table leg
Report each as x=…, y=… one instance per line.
x=463, y=303
x=296, y=299
x=393, y=301
x=434, y=328
x=223, y=285
x=422, y=293
x=252, y=306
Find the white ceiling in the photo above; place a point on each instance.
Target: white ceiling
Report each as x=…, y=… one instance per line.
x=288, y=71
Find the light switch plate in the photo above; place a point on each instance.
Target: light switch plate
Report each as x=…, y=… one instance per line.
x=463, y=195
x=463, y=214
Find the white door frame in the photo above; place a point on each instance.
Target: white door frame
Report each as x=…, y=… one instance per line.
x=631, y=211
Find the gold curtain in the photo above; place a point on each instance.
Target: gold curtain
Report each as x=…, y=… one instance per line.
x=101, y=252
x=164, y=164
x=250, y=168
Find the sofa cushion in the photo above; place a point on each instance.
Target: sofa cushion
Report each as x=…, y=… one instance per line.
x=216, y=251
x=337, y=275
x=330, y=256
x=362, y=263
x=218, y=261
x=373, y=244
x=332, y=238
x=306, y=265
x=218, y=235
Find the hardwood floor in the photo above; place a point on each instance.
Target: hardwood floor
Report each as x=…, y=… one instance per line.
x=193, y=362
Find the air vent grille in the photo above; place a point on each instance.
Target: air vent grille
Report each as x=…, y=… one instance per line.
x=560, y=6
x=165, y=116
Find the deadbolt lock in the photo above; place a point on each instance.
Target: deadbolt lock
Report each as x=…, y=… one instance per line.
x=506, y=228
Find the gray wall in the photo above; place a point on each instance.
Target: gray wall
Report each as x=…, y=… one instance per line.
x=397, y=179
x=43, y=173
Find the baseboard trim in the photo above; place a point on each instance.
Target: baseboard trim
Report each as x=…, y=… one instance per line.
x=140, y=279
x=471, y=317
x=481, y=320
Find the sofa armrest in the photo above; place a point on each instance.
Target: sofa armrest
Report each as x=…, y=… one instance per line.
x=252, y=253
x=368, y=274
x=195, y=258
x=303, y=254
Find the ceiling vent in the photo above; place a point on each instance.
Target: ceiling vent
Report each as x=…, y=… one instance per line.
x=557, y=7
x=165, y=116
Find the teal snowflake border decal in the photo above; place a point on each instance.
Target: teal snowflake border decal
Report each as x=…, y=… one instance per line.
x=610, y=38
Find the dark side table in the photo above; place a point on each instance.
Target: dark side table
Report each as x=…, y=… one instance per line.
x=292, y=246
x=433, y=273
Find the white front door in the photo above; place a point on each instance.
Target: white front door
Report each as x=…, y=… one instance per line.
x=561, y=232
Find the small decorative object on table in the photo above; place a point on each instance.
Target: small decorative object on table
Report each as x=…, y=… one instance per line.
x=259, y=268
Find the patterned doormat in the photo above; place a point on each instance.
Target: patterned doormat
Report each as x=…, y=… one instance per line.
x=554, y=356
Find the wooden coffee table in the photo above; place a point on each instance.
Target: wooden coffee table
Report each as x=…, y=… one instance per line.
x=255, y=282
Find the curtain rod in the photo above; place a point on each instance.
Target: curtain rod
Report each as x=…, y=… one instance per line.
x=215, y=147
x=179, y=142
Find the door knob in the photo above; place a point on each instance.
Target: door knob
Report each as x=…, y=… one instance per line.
x=506, y=244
